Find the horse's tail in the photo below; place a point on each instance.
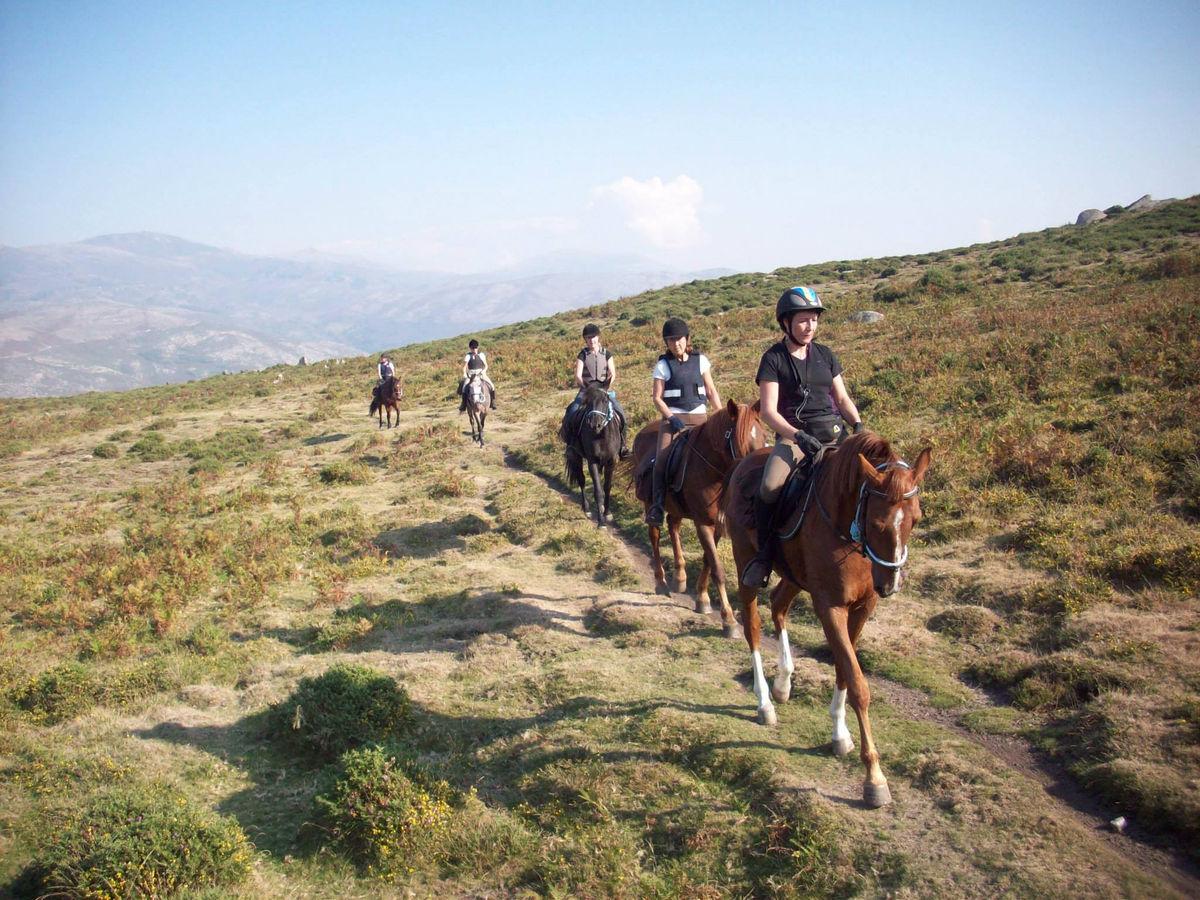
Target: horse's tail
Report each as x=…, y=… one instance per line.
x=573, y=463
x=376, y=403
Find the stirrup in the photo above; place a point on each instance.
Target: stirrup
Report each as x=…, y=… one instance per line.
x=624, y=453
x=655, y=515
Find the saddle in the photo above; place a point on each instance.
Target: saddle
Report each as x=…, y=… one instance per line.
x=676, y=472
x=797, y=495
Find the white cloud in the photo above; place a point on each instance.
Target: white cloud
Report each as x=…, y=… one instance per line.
x=666, y=215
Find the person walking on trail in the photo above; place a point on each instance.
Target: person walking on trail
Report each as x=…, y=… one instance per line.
x=474, y=362
x=803, y=398
x=682, y=389
x=595, y=367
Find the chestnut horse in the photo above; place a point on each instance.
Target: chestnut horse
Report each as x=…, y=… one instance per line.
x=847, y=553
x=387, y=396
x=714, y=448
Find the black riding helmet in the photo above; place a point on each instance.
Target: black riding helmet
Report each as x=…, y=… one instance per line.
x=797, y=299
x=591, y=329
x=473, y=345
x=675, y=328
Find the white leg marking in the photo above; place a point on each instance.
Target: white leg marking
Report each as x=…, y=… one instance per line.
x=783, y=678
x=837, y=712
x=766, y=709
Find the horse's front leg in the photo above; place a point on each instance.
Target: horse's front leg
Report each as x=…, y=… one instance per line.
x=781, y=601
x=673, y=523
x=660, y=577
x=713, y=566
x=608, y=473
x=597, y=491
x=834, y=621
x=842, y=742
x=753, y=630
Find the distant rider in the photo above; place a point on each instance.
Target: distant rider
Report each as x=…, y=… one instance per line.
x=683, y=388
x=386, y=369
x=474, y=362
x=595, y=367
x=803, y=397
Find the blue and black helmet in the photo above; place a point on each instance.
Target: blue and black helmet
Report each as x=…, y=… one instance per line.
x=797, y=299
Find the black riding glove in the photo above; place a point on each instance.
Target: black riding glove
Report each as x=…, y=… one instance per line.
x=676, y=424
x=806, y=442
x=856, y=427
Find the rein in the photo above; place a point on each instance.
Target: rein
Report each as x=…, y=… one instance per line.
x=733, y=454
x=857, y=532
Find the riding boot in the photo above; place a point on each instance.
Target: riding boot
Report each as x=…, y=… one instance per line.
x=654, y=515
x=493, y=403
x=624, y=454
x=759, y=570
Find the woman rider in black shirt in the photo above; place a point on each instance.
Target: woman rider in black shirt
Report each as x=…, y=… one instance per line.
x=799, y=383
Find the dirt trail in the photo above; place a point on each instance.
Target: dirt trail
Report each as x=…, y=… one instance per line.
x=1066, y=797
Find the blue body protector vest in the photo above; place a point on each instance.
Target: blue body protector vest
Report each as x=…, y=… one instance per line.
x=474, y=363
x=685, y=388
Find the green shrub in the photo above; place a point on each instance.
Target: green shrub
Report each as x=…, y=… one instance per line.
x=342, y=709
x=386, y=816
x=346, y=473
x=969, y=623
x=139, y=842
x=151, y=447
x=107, y=450
x=57, y=694
x=888, y=292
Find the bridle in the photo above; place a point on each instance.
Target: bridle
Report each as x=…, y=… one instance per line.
x=858, y=534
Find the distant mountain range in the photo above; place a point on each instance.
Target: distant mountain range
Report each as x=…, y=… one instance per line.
x=129, y=310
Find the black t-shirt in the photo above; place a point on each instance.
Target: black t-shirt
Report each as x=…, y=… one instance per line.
x=816, y=372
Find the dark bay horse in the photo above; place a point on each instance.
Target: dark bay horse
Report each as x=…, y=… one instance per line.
x=595, y=436
x=387, y=396
x=478, y=395
x=714, y=448
x=847, y=553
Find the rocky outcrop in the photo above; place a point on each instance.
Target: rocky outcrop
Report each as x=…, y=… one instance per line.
x=303, y=361
x=866, y=316
x=1088, y=216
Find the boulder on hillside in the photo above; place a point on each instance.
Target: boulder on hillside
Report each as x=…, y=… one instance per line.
x=303, y=361
x=1088, y=216
x=866, y=316
x=1143, y=202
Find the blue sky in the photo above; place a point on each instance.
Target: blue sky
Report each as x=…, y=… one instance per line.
x=472, y=136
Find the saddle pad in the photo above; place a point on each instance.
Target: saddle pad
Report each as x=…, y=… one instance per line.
x=794, y=499
x=677, y=461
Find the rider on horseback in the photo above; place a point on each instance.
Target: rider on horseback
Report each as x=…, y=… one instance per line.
x=594, y=366
x=386, y=369
x=683, y=387
x=475, y=362
x=799, y=383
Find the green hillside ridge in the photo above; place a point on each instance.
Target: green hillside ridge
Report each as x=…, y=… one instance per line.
x=176, y=559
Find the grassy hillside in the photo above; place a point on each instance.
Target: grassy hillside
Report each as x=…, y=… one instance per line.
x=175, y=560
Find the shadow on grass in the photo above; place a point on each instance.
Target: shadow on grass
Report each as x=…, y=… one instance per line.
x=324, y=439
x=275, y=808
x=431, y=539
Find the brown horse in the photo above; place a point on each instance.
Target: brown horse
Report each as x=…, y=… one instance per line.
x=478, y=394
x=848, y=551
x=714, y=448
x=387, y=396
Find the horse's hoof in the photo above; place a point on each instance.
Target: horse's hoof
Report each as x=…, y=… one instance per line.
x=876, y=795
x=781, y=694
x=701, y=607
x=729, y=631
x=766, y=716
x=661, y=588
x=843, y=746
x=681, y=586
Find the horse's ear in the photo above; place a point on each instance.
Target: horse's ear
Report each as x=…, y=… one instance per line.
x=756, y=406
x=923, y=461
x=870, y=473
x=732, y=408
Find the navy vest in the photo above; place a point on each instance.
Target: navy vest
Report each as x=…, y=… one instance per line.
x=685, y=388
x=474, y=362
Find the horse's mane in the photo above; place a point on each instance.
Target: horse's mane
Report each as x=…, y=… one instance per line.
x=842, y=469
x=715, y=426
x=593, y=395
x=746, y=420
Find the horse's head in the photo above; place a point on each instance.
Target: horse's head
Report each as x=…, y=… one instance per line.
x=888, y=507
x=598, y=408
x=744, y=431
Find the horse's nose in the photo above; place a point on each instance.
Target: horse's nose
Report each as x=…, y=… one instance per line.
x=890, y=583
